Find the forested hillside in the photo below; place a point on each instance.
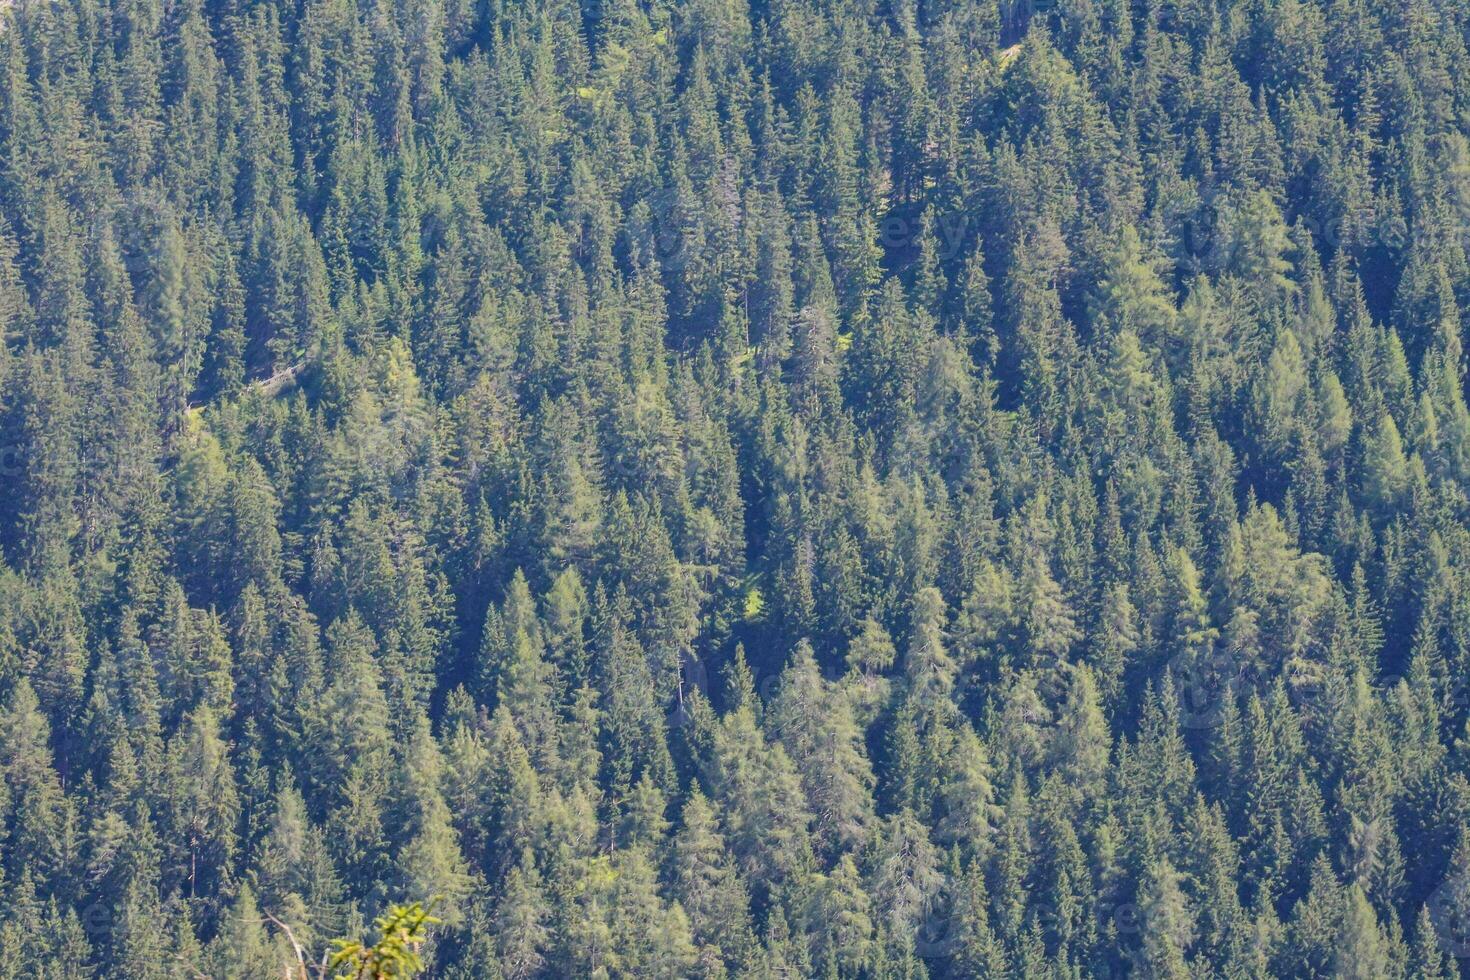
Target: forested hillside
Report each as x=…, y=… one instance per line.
x=736, y=488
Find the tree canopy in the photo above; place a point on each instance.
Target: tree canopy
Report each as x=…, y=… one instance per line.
x=720, y=488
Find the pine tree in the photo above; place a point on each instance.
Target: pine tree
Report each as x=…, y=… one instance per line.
x=967, y=810
x=517, y=674
x=814, y=722
x=243, y=947
x=429, y=860
x=707, y=885
x=1385, y=468
x=1428, y=960
x=1082, y=742
x=1260, y=245
x=1361, y=948
x=838, y=918
x=1131, y=292
x=1170, y=923
x=759, y=789
x=521, y=935
x=906, y=874
x=202, y=805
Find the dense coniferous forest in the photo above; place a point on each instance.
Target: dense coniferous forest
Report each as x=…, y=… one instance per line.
x=735, y=488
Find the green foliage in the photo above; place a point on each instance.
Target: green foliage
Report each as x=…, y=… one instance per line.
x=717, y=488
x=402, y=932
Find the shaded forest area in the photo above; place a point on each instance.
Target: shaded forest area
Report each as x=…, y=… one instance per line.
x=736, y=488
